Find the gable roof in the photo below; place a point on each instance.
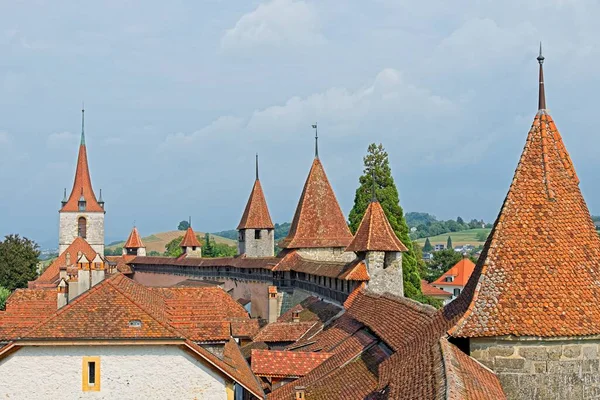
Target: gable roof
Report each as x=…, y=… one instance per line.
x=461, y=271
x=318, y=221
x=51, y=274
x=541, y=264
x=82, y=185
x=256, y=214
x=134, y=241
x=375, y=232
x=190, y=239
x=285, y=364
x=429, y=290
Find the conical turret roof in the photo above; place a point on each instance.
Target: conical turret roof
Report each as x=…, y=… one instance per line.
x=134, y=241
x=318, y=221
x=256, y=215
x=539, y=272
x=190, y=239
x=375, y=232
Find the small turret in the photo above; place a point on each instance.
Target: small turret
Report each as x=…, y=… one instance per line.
x=190, y=244
x=134, y=245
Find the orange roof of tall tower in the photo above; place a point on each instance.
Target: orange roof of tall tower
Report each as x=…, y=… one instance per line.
x=318, y=221
x=82, y=186
x=256, y=215
x=190, y=239
x=461, y=272
x=375, y=232
x=134, y=241
x=539, y=271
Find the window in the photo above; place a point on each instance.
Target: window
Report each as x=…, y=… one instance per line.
x=449, y=278
x=242, y=236
x=82, y=227
x=257, y=234
x=456, y=292
x=90, y=374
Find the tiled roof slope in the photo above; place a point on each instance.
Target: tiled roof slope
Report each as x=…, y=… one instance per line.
x=354, y=270
x=236, y=262
x=375, y=232
x=283, y=331
x=429, y=290
x=285, y=364
x=82, y=186
x=538, y=273
x=134, y=241
x=51, y=274
x=461, y=271
x=256, y=215
x=26, y=308
x=318, y=221
x=190, y=239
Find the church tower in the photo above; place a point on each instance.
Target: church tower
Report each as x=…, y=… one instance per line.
x=256, y=236
x=81, y=214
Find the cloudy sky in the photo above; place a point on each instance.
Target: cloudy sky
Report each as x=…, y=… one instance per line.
x=180, y=95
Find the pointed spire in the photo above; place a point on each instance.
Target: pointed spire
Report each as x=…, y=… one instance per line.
x=316, y=140
x=375, y=232
x=542, y=93
x=190, y=239
x=64, y=200
x=190, y=221
x=134, y=241
x=256, y=166
x=82, y=124
x=256, y=214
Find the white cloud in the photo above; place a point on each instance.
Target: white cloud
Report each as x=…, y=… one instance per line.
x=275, y=23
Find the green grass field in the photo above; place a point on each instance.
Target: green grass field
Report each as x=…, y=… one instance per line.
x=458, y=238
x=158, y=241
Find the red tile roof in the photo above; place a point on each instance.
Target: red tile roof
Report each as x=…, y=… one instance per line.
x=538, y=272
x=461, y=271
x=332, y=269
x=283, y=331
x=190, y=239
x=26, y=308
x=429, y=290
x=285, y=364
x=318, y=221
x=82, y=186
x=256, y=215
x=51, y=274
x=375, y=232
x=134, y=241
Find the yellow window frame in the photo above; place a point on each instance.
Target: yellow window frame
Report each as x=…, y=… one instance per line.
x=85, y=378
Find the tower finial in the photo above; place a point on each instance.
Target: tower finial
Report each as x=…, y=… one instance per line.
x=82, y=124
x=316, y=140
x=373, y=192
x=256, y=166
x=190, y=221
x=542, y=93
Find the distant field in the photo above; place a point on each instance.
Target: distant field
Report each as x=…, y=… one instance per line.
x=158, y=241
x=458, y=238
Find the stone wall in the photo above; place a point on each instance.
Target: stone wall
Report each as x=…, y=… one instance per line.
x=543, y=369
x=385, y=271
x=263, y=247
x=67, y=231
x=327, y=254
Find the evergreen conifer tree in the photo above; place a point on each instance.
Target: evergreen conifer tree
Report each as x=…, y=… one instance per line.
x=387, y=195
x=427, y=247
x=449, y=243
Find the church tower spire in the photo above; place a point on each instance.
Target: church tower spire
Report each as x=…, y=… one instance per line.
x=81, y=214
x=541, y=91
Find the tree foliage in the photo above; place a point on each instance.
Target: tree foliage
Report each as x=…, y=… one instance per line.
x=377, y=164
x=117, y=251
x=442, y=261
x=18, y=261
x=183, y=225
x=449, y=243
x=4, y=293
x=210, y=248
x=427, y=247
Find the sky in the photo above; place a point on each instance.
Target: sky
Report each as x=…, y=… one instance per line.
x=180, y=95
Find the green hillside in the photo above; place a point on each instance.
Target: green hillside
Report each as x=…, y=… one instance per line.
x=472, y=236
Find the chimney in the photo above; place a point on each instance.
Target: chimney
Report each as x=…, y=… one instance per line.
x=273, y=304
x=295, y=316
x=68, y=256
x=62, y=295
x=300, y=392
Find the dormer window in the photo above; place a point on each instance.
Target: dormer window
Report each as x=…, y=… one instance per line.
x=449, y=279
x=82, y=203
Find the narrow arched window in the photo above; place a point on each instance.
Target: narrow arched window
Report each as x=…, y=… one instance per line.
x=82, y=227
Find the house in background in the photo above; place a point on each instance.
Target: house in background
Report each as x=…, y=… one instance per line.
x=431, y=291
x=455, y=279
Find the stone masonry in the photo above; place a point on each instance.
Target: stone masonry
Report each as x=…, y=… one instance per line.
x=252, y=247
x=326, y=254
x=68, y=230
x=385, y=271
x=530, y=368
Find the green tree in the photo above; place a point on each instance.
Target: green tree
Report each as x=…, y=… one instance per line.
x=482, y=236
x=210, y=248
x=154, y=253
x=377, y=164
x=449, y=243
x=4, y=293
x=460, y=221
x=18, y=261
x=442, y=261
x=183, y=225
x=172, y=248
x=427, y=247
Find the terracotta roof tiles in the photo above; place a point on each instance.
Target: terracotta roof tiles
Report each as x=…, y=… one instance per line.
x=283, y=331
x=51, y=274
x=375, y=232
x=256, y=214
x=460, y=273
x=82, y=186
x=285, y=364
x=429, y=290
x=318, y=221
x=190, y=239
x=134, y=241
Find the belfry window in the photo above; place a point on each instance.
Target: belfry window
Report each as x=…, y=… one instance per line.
x=242, y=236
x=257, y=234
x=82, y=227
